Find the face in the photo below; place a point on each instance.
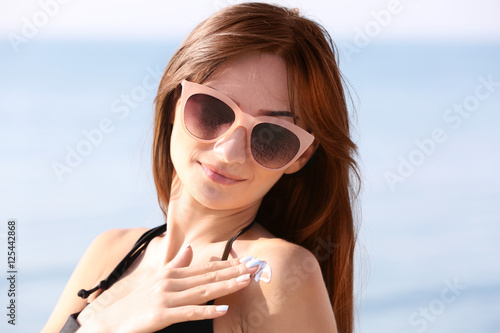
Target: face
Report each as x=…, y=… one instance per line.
x=222, y=174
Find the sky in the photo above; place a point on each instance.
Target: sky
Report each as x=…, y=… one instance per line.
x=153, y=19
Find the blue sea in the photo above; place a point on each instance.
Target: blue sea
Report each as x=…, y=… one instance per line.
x=75, y=137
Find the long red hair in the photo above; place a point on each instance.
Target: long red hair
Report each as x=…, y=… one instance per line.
x=312, y=207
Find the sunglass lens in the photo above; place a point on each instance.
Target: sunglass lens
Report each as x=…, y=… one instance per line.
x=273, y=146
x=206, y=117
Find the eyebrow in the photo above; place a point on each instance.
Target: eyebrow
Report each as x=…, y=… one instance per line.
x=267, y=113
x=276, y=113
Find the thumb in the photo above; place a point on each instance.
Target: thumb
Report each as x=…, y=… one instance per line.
x=183, y=258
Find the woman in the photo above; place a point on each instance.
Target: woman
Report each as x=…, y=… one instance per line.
x=252, y=159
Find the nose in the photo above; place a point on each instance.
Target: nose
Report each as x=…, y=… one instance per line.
x=232, y=148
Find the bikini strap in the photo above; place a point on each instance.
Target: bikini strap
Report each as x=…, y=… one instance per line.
x=228, y=247
x=137, y=249
x=229, y=243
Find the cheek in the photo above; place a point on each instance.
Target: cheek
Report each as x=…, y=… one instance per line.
x=265, y=180
x=182, y=147
x=176, y=151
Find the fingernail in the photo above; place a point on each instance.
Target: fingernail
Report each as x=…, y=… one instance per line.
x=244, y=277
x=245, y=259
x=252, y=263
x=222, y=308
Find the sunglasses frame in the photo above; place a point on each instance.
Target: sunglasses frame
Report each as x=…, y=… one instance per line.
x=242, y=119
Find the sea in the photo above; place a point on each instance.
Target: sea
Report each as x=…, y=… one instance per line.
x=75, y=142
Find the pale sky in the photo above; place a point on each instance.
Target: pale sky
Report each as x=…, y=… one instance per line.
x=153, y=19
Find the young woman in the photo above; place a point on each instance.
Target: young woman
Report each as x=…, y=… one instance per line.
x=253, y=164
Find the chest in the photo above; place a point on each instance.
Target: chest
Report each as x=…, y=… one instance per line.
x=100, y=300
x=138, y=274
x=232, y=322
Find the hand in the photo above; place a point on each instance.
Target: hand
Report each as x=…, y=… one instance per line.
x=173, y=294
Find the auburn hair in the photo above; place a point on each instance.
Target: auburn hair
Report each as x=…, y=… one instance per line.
x=312, y=207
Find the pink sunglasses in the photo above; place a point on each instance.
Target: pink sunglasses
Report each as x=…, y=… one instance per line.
x=207, y=115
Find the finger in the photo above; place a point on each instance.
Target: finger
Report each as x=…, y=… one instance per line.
x=183, y=258
x=214, y=276
x=206, y=292
x=195, y=312
x=232, y=253
x=211, y=266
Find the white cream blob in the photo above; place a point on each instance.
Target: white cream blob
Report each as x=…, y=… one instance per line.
x=263, y=273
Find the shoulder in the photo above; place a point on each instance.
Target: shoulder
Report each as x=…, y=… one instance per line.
x=285, y=258
x=293, y=267
x=102, y=255
x=295, y=299
x=112, y=245
x=105, y=252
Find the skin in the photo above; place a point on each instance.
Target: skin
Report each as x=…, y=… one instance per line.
x=207, y=208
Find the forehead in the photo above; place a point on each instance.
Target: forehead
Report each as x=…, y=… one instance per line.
x=255, y=81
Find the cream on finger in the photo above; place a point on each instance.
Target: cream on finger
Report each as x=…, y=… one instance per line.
x=263, y=272
x=252, y=263
x=245, y=259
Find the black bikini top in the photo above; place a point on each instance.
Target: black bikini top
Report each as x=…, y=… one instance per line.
x=137, y=249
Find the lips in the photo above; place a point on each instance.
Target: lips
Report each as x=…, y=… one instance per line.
x=219, y=175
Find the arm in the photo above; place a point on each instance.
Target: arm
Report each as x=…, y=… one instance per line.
x=295, y=300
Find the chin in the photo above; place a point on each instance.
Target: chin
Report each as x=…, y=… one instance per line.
x=215, y=199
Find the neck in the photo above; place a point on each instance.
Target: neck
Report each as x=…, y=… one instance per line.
x=189, y=222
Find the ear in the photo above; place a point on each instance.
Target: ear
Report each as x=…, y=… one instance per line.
x=303, y=159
